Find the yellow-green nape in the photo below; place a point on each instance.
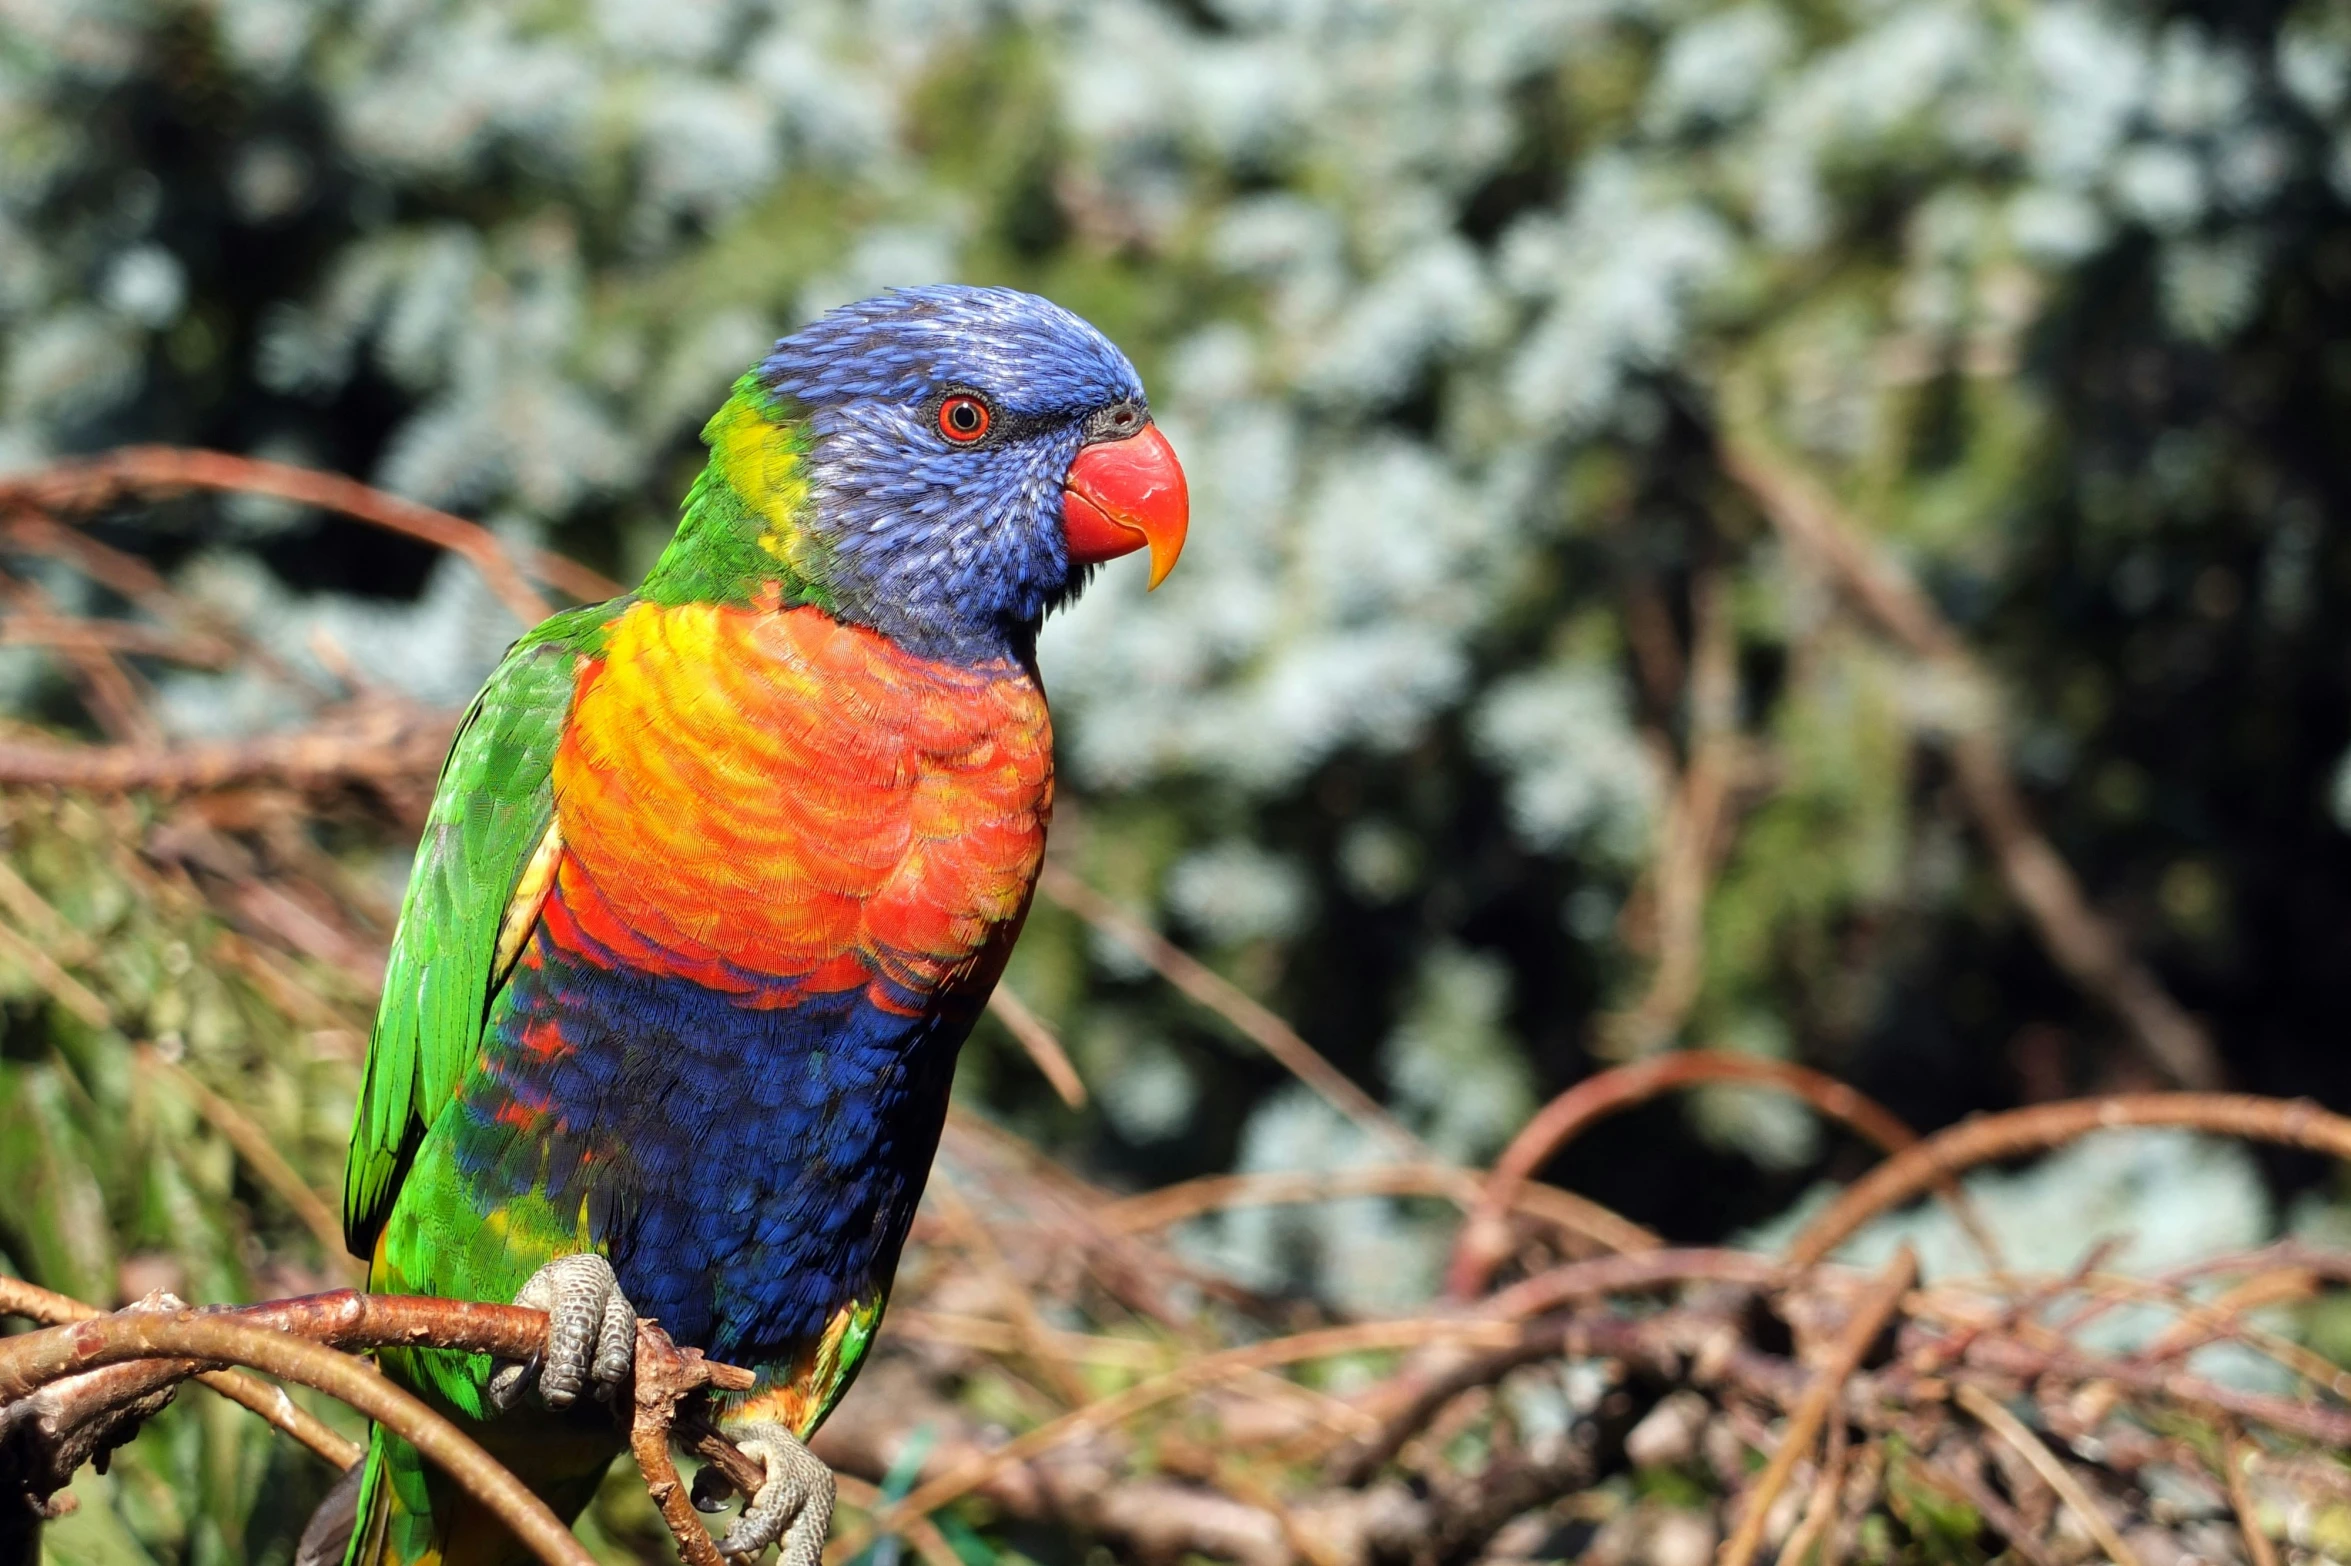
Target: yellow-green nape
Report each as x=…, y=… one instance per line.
x=755, y=446
x=745, y=518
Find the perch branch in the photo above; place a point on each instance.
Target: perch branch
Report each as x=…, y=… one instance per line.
x=36, y=1358
x=19, y=1298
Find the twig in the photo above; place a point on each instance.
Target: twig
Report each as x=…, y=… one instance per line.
x=1820, y=1508
x=2014, y=1431
x=111, y=693
x=32, y=1360
x=69, y=633
x=1199, y=1374
x=1687, y=833
x=1604, y=1275
x=1220, y=995
x=1036, y=1339
x=921, y=1532
x=2234, y=1450
x=1210, y=1193
x=253, y=1145
x=1036, y=1036
x=1869, y=1319
x=68, y=991
x=19, y=1298
x=666, y=1375
x=2289, y=1123
x=990, y=1336
x=1969, y=1487
x=1485, y=1238
x=380, y=743
x=2081, y=942
x=163, y=470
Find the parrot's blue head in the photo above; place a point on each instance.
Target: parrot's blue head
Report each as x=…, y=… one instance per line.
x=972, y=454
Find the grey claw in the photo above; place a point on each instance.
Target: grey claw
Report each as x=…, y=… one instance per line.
x=711, y=1491
x=591, y=1335
x=794, y=1503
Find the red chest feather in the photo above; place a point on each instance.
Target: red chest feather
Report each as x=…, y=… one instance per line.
x=777, y=803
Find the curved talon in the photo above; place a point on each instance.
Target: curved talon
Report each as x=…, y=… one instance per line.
x=794, y=1503
x=711, y=1491
x=591, y=1335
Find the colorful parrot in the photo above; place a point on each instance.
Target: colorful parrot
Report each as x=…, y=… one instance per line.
x=717, y=878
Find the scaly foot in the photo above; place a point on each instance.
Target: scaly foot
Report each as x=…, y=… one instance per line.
x=794, y=1503
x=591, y=1334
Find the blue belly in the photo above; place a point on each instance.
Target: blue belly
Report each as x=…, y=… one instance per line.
x=748, y=1169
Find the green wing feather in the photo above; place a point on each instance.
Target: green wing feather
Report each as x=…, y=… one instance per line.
x=490, y=809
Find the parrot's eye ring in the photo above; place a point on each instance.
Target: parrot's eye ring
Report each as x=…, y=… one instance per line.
x=964, y=419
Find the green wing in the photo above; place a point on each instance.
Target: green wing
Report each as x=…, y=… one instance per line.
x=490, y=810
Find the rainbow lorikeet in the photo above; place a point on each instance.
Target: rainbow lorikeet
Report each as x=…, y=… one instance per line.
x=718, y=877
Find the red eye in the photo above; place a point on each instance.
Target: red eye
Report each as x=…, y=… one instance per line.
x=963, y=419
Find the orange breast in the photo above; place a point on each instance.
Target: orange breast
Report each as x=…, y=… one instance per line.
x=777, y=803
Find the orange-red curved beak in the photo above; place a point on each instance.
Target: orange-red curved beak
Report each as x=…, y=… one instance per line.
x=1120, y=495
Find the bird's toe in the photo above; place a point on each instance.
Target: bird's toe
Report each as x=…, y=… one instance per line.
x=591, y=1334
x=794, y=1504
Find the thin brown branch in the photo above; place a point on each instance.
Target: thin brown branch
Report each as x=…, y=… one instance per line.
x=149, y=471
x=260, y=1155
x=1199, y=1374
x=2288, y=1123
x=1967, y=1485
x=1601, y=1276
x=1036, y=1340
x=376, y=744
x=1688, y=831
x=1869, y=1319
x=2081, y=942
x=19, y=1298
x=665, y=1376
x=63, y=988
x=1220, y=995
x=929, y=1543
x=34, y=1359
x=1485, y=1238
x=1210, y=1193
x=1033, y=1034
x=70, y=633
x=2235, y=1452
x=2018, y=1435
x=111, y=693
x=1820, y=1508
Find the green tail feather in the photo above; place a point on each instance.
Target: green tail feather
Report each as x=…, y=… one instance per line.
x=411, y=1514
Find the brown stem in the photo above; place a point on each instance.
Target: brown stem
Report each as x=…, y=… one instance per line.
x=378, y=743
x=1485, y=1238
x=163, y=470
x=19, y=1298
x=1869, y=1319
x=1105, y=1413
x=1210, y=1193
x=34, y=1359
x=2082, y=943
x=1036, y=1036
x=2290, y=1123
x=1220, y=995
x=2018, y=1435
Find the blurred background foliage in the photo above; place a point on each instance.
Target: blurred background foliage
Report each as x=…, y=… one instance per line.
x=1451, y=308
